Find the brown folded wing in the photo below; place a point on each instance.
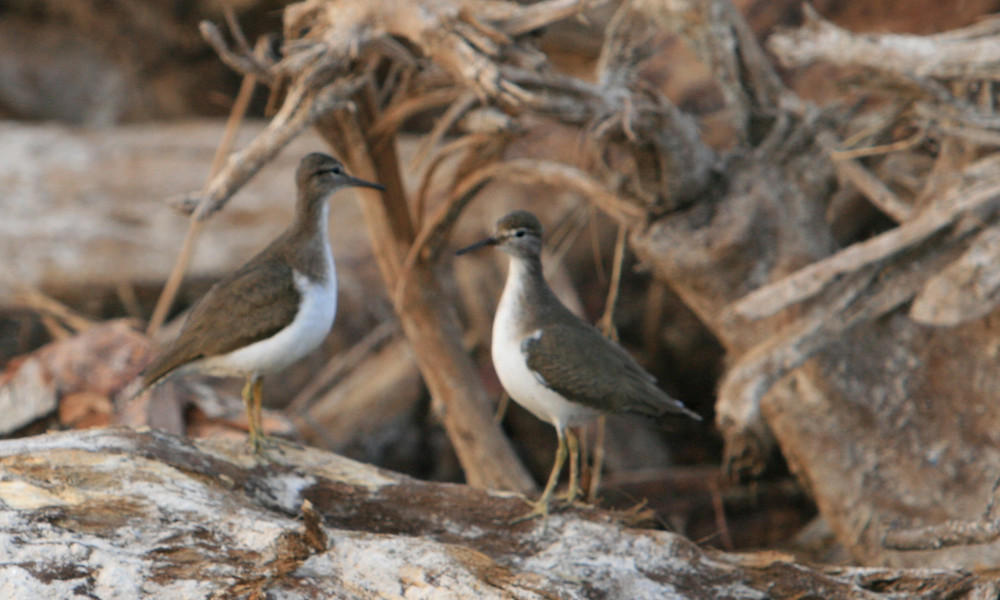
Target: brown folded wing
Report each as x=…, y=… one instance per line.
x=585, y=367
x=251, y=304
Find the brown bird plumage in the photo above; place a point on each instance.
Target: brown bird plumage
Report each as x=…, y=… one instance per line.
x=274, y=309
x=557, y=366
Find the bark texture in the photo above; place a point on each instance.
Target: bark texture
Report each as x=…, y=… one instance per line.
x=842, y=253
x=119, y=513
x=866, y=401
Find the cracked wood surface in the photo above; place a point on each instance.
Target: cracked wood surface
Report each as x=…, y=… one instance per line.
x=121, y=513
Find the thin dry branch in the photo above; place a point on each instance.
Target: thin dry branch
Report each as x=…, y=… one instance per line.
x=301, y=108
x=607, y=321
x=186, y=254
x=871, y=187
x=34, y=300
x=245, y=63
x=339, y=365
x=965, y=290
x=430, y=325
x=862, y=296
x=393, y=117
x=724, y=42
x=971, y=53
x=943, y=535
x=473, y=143
x=817, y=277
x=445, y=122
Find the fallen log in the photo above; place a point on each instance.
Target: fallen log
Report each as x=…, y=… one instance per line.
x=123, y=513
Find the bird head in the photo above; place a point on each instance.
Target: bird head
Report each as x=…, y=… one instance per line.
x=518, y=234
x=320, y=175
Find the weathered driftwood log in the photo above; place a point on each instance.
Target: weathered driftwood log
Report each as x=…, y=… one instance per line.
x=120, y=513
x=86, y=207
x=889, y=423
x=883, y=419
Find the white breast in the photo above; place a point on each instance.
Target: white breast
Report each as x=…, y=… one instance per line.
x=511, y=365
x=317, y=308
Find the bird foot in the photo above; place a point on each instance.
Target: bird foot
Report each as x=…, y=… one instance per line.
x=539, y=509
x=261, y=445
x=571, y=498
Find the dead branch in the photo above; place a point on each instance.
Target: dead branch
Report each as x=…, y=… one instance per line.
x=311, y=523
x=971, y=53
x=184, y=257
x=815, y=279
x=32, y=299
x=949, y=533
x=863, y=296
x=475, y=145
x=943, y=535
x=241, y=62
x=722, y=40
x=967, y=289
x=395, y=114
x=302, y=108
x=455, y=112
x=339, y=365
x=430, y=325
x=872, y=188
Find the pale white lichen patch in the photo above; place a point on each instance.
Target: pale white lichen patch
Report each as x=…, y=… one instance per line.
x=320, y=463
x=21, y=495
x=18, y=582
x=621, y=562
x=286, y=489
x=386, y=566
x=342, y=469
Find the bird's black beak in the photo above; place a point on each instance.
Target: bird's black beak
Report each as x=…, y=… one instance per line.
x=358, y=182
x=490, y=241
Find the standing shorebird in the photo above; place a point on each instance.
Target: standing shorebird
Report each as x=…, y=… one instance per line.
x=552, y=363
x=273, y=310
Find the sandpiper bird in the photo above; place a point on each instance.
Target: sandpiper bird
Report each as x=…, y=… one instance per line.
x=552, y=363
x=273, y=310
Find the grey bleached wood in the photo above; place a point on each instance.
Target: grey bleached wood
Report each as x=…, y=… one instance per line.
x=965, y=290
x=88, y=207
x=970, y=53
x=120, y=513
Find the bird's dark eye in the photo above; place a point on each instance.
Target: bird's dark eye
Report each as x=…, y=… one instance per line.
x=520, y=233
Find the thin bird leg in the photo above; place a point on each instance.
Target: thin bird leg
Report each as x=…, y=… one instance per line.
x=258, y=384
x=574, y=466
x=541, y=507
x=248, y=406
x=252, y=403
x=598, y=464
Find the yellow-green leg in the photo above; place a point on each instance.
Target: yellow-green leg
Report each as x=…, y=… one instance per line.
x=598, y=466
x=541, y=507
x=252, y=403
x=573, y=443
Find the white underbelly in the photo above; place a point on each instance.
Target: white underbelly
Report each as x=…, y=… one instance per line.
x=303, y=335
x=525, y=388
